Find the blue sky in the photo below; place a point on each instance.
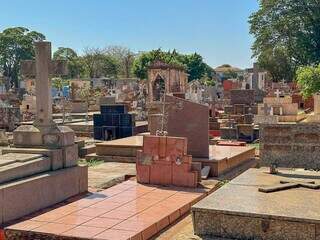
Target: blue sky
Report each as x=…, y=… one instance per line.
x=217, y=29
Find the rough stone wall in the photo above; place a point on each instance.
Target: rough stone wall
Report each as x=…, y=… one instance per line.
x=290, y=145
x=9, y=118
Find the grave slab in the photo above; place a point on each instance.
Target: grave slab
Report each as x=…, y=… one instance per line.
x=16, y=165
x=126, y=211
x=239, y=210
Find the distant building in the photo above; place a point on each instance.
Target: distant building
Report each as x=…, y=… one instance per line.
x=227, y=71
x=256, y=78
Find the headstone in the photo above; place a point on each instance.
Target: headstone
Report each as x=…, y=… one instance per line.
x=164, y=161
x=180, y=121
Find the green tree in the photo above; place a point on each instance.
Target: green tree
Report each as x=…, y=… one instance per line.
x=16, y=44
x=278, y=63
x=99, y=64
x=308, y=79
x=193, y=63
x=124, y=57
x=290, y=26
x=73, y=61
x=196, y=68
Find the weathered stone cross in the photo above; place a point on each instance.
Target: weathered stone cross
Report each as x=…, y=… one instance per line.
x=278, y=93
x=284, y=185
x=43, y=68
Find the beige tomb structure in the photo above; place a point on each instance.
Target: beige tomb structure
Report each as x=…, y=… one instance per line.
x=41, y=168
x=277, y=109
x=271, y=203
x=315, y=118
x=166, y=79
x=28, y=104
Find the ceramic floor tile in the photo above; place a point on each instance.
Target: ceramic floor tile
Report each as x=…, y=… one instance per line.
x=84, y=232
x=122, y=198
x=27, y=225
x=91, y=212
x=73, y=219
x=118, y=214
x=65, y=210
x=115, y=234
x=133, y=225
x=102, y=222
x=106, y=205
x=48, y=217
x=54, y=228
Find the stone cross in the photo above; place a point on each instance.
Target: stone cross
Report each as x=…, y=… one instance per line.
x=43, y=68
x=277, y=93
x=284, y=185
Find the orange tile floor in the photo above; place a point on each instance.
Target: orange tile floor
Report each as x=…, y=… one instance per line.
x=126, y=211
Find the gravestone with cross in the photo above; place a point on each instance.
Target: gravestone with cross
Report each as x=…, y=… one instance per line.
x=277, y=93
x=43, y=68
x=44, y=131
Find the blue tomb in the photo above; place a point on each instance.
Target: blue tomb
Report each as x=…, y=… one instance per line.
x=114, y=122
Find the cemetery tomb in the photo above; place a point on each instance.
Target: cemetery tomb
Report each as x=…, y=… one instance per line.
x=178, y=119
x=126, y=211
x=165, y=79
x=245, y=132
x=9, y=117
x=242, y=96
x=114, y=122
x=164, y=161
x=3, y=138
x=244, y=209
x=278, y=109
x=227, y=157
x=316, y=116
x=290, y=145
x=119, y=150
x=42, y=164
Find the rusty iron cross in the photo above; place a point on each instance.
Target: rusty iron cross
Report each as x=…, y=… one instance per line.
x=43, y=68
x=285, y=185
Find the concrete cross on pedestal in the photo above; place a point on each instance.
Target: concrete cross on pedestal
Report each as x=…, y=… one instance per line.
x=43, y=68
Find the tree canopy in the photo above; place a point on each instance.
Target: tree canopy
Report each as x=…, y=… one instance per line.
x=74, y=63
x=308, y=79
x=286, y=36
x=192, y=63
x=16, y=44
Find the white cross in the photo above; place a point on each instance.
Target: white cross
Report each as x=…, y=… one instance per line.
x=277, y=93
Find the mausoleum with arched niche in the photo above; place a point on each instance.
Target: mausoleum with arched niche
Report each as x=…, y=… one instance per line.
x=166, y=78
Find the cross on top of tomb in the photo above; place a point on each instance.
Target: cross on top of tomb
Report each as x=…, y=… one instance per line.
x=284, y=185
x=278, y=92
x=43, y=68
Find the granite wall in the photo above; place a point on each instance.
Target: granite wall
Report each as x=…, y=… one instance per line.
x=290, y=145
